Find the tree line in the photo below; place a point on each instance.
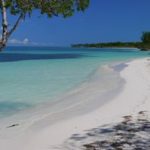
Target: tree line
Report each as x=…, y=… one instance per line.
x=144, y=44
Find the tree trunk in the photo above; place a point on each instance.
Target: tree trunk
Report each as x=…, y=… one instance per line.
x=4, y=38
x=5, y=32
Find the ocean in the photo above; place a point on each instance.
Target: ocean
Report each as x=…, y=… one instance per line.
x=31, y=76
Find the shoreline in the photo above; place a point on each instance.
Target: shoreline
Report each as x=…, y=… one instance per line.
x=93, y=86
x=121, y=48
x=39, y=137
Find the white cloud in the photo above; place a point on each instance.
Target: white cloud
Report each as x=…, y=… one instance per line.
x=20, y=42
x=25, y=41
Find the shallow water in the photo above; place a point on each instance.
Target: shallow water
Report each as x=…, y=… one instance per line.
x=33, y=75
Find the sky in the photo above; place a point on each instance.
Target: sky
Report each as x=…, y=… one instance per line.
x=103, y=21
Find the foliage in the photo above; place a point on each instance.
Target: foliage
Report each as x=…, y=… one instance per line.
x=144, y=45
x=109, y=44
x=49, y=7
x=146, y=37
x=21, y=8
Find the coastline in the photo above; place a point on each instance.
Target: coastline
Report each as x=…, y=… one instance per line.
x=142, y=48
x=133, y=98
x=98, y=88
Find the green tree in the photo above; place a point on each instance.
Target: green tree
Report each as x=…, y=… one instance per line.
x=22, y=8
x=146, y=37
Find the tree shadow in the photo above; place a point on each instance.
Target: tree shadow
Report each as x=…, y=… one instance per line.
x=131, y=133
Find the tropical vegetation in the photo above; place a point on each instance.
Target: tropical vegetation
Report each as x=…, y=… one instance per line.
x=144, y=44
x=23, y=8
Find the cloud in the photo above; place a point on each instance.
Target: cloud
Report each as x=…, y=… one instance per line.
x=20, y=42
x=27, y=42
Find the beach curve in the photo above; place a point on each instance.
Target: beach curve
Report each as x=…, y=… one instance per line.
x=134, y=97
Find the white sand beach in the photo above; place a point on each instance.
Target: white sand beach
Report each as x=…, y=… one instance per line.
x=39, y=133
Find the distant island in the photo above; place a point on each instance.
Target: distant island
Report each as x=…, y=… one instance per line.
x=144, y=44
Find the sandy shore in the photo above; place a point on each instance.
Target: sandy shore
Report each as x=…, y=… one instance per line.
x=134, y=97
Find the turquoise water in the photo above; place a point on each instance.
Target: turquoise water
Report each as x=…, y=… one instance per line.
x=32, y=75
